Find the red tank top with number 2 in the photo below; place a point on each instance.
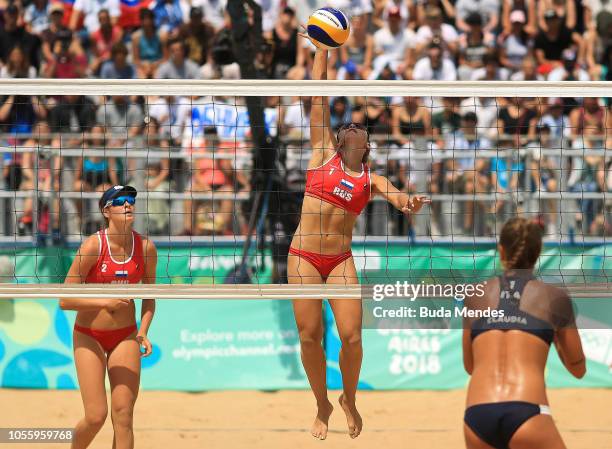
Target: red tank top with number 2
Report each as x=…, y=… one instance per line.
x=110, y=271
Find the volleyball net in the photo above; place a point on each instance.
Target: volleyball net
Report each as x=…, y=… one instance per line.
x=220, y=170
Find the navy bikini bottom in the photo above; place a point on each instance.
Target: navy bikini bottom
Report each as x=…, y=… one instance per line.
x=496, y=423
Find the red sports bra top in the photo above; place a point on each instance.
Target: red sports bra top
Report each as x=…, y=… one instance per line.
x=109, y=271
x=330, y=183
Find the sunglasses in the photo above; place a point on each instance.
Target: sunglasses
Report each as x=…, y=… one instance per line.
x=121, y=200
x=353, y=125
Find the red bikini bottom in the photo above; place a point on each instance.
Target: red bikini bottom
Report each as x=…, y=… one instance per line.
x=322, y=262
x=108, y=339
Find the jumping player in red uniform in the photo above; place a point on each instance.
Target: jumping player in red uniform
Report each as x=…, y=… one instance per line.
x=106, y=338
x=339, y=184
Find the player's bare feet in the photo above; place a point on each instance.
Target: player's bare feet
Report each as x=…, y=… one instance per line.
x=353, y=418
x=319, y=427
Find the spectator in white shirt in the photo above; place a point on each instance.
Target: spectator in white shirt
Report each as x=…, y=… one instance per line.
x=473, y=47
x=214, y=11
x=435, y=30
x=468, y=174
x=592, y=8
x=172, y=114
x=491, y=70
x=270, y=10
x=89, y=9
x=407, y=9
x=486, y=112
x=304, y=8
x=517, y=44
x=569, y=70
x=349, y=6
x=36, y=16
x=394, y=45
x=528, y=72
x=488, y=9
x=557, y=122
x=434, y=66
x=296, y=119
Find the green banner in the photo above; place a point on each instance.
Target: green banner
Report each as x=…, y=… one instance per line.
x=198, y=345
x=204, y=345
x=432, y=359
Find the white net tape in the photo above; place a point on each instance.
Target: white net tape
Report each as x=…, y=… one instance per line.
x=173, y=291
x=369, y=88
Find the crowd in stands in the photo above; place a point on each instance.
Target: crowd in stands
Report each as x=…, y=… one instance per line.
x=447, y=40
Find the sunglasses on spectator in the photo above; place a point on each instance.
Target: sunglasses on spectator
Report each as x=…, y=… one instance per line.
x=121, y=200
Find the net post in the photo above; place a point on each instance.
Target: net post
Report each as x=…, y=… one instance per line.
x=569, y=203
x=54, y=198
x=36, y=193
x=531, y=194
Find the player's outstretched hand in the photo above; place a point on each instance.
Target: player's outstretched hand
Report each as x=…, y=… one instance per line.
x=304, y=32
x=415, y=203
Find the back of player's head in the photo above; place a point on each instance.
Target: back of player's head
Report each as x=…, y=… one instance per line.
x=521, y=240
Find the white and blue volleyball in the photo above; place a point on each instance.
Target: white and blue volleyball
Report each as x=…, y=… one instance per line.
x=328, y=28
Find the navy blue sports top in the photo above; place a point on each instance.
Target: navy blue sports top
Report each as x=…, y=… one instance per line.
x=511, y=288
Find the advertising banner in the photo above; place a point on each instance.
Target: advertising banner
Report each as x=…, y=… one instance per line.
x=206, y=345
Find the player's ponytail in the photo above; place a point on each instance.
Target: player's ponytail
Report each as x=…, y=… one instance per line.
x=522, y=243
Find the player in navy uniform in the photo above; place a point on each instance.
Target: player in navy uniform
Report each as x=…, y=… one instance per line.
x=507, y=406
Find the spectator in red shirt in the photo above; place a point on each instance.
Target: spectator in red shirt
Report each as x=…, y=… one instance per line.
x=103, y=40
x=69, y=60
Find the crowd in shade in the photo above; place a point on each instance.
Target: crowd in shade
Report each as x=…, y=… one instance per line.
x=437, y=40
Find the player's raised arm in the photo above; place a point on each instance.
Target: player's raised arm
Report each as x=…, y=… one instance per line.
x=322, y=139
x=400, y=200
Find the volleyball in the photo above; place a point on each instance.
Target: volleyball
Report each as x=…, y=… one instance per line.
x=328, y=28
